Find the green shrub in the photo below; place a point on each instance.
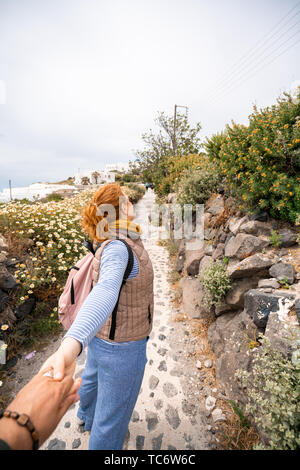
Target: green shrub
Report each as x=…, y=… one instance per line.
x=54, y=197
x=243, y=419
x=216, y=282
x=275, y=238
x=273, y=390
x=261, y=161
x=197, y=185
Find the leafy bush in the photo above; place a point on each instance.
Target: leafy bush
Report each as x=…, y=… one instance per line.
x=273, y=390
x=275, y=238
x=216, y=282
x=54, y=197
x=197, y=185
x=134, y=191
x=174, y=168
x=261, y=161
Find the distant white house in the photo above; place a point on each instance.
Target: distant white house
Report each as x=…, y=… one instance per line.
x=95, y=176
x=117, y=166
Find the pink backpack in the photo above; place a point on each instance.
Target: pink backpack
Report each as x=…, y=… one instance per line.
x=80, y=283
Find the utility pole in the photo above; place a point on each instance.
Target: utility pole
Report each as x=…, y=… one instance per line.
x=9, y=182
x=175, y=110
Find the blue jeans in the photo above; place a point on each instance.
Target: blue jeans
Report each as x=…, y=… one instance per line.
x=111, y=382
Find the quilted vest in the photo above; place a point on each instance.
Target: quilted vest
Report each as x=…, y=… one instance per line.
x=136, y=302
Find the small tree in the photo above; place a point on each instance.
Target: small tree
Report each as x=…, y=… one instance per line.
x=85, y=180
x=173, y=139
x=95, y=176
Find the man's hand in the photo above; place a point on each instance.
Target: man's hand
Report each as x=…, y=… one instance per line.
x=45, y=401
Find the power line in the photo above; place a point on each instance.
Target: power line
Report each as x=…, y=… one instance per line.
x=257, y=71
x=243, y=69
x=225, y=77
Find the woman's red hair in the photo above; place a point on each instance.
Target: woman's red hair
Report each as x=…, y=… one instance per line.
x=108, y=194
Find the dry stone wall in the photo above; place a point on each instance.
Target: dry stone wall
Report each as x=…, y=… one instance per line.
x=265, y=290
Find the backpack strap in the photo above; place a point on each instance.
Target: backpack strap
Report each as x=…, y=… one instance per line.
x=89, y=246
x=126, y=274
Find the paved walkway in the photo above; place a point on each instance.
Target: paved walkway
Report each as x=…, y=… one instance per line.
x=163, y=417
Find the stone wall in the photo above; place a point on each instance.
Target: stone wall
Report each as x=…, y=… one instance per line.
x=257, y=301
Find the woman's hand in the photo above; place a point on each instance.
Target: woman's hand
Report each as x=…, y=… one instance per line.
x=64, y=358
x=45, y=401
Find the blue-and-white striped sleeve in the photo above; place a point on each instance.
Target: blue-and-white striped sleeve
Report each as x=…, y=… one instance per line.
x=101, y=301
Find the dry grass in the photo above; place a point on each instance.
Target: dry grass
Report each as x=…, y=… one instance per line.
x=17, y=246
x=231, y=435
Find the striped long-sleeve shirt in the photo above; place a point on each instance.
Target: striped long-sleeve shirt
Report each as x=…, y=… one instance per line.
x=101, y=301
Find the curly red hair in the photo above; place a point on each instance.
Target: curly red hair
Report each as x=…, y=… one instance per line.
x=108, y=194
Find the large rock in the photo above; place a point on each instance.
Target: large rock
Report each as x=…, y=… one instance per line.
x=192, y=261
x=193, y=294
x=260, y=215
x=221, y=237
x=219, y=251
x=4, y=300
x=271, y=282
x=236, y=222
x=205, y=262
x=209, y=249
x=235, y=296
x=3, y=244
x=282, y=331
x=226, y=367
x=283, y=270
x=254, y=227
x=216, y=206
x=25, y=308
x=244, y=245
x=230, y=336
x=287, y=237
x=256, y=265
x=7, y=316
x=7, y=281
x=259, y=304
x=179, y=264
x=221, y=308
x=3, y=257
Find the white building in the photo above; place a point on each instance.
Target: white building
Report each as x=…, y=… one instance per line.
x=117, y=167
x=95, y=176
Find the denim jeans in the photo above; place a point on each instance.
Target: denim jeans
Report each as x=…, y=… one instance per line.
x=111, y=382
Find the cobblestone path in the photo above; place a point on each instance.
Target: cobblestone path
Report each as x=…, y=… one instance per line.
x=163, y=417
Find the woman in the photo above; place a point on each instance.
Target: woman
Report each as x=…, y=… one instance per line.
x=116, y=360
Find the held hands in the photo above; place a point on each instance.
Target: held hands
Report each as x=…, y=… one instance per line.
x=45, y=401
x=64, y=358
x=46, y=398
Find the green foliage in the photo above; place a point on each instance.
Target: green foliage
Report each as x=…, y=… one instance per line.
x=197, y=185
x=284, y=282
x=134, y=191
x=176, y=166
x=216, y=282
x=243, y=419
x=159, y=146
x=275, y=238
x=45, y=326
x=54, y=197
x=273, y=390
x=127, y=178
x=261, y=161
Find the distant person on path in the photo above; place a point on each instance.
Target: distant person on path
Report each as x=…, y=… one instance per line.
x=116, y=332
x=44, y=401
x=147, y=185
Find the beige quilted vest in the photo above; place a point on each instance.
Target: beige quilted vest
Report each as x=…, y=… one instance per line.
x=135, y=310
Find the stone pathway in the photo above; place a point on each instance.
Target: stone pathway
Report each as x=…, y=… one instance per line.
x=163, y=417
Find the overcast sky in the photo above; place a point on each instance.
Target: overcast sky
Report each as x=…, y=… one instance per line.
x=85, y=78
